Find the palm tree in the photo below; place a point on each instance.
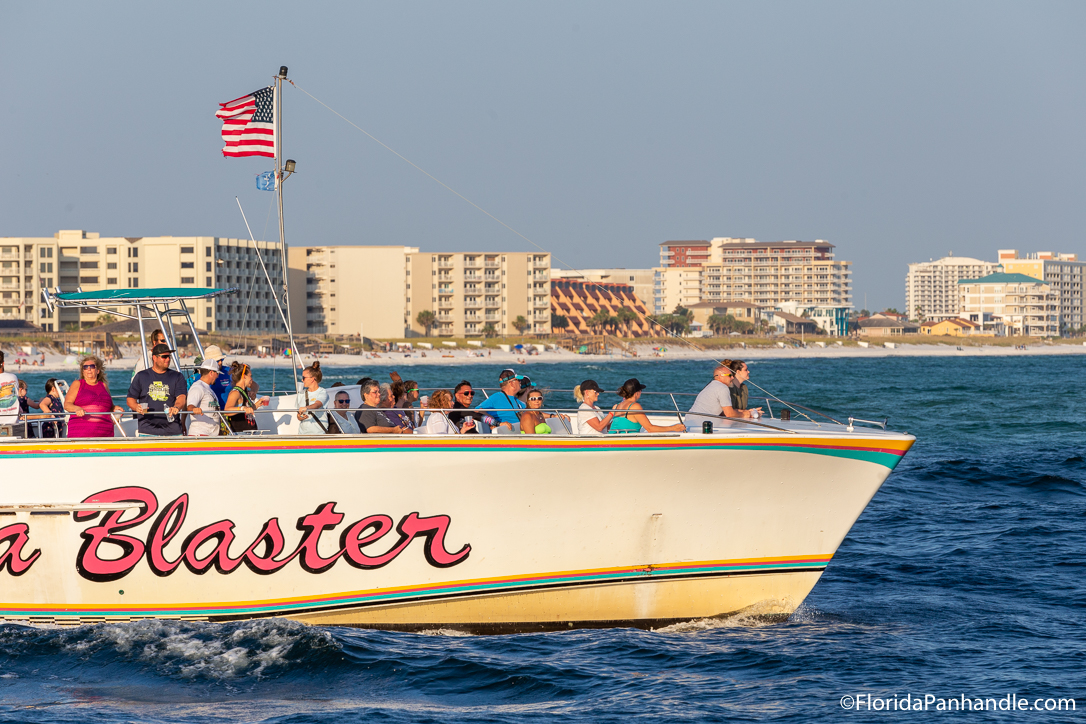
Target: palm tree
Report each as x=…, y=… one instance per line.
x=559, y=321
x=599, y=321
x=426, y=320
x=489, y=330
x=626, y=317
x=520, y=324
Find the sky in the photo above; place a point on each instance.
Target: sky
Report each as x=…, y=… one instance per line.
x=897, y=131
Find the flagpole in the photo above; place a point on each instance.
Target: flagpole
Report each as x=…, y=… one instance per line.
x=284, y=265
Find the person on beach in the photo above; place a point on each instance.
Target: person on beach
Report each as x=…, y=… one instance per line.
x=628, y=416
x=439, y=423
x=53, y=406
x=240, y=405
x=533, y=421
x=9, y=397
x=90, y=394
x=739, y=392
x=312, y=414
x=590, y=418
x=202, y=402
x=157, y=395
x=371, y=418
x=504, y=404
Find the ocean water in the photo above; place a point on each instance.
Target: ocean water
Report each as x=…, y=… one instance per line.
x=966, y=576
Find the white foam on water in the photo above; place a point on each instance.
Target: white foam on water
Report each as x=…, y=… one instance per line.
x=444, y=632
x=213, y=651
x=752, y=617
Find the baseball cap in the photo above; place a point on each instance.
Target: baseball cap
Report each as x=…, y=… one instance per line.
x=162, y=349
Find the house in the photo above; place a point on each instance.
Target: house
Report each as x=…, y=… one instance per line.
x=953, y=327
x=791, y=324
x=886, y=325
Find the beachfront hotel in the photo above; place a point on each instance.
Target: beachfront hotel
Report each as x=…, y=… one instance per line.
x=931, y=287
x=379, y=291
x=74, y=260
x=1062, y=272
x=1014, y=304
x=801, y=274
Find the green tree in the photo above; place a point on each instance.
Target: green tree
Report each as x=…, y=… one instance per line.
x=599, y=321
x=520, y=324
x=426, y=320
x=626, y=317
x=722, y=324
x=559, y=321
x=105, y=319
x=489, y=330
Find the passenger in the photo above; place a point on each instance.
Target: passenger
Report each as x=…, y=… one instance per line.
x=407, y=394
x=739, y=392
x=90, y=394
x=397, y=417
x=371, y=418
x=714, y=399
x=463, y=396
x=341, y=419
x=203, y=403
x=155, y=338
x=590, y=418
x=505, y=404
x=53, y=406
x=533, y=419
x=439, y=423
x=526, y=385
x=628, y=416
x=9, y=397
x=240, y=405
x=312, y=414
x=224, y=383
x=157, y=390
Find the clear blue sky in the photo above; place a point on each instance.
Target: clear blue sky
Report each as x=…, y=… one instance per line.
x=897, y=131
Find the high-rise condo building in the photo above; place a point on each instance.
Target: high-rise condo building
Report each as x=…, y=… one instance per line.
x=931, y=287
x=74, y=260
x=1062, y=272
x=766, y=273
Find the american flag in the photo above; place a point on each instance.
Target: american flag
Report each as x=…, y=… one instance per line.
x=248, y=124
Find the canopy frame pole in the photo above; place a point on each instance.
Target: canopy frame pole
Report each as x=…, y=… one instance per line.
x=143, y=336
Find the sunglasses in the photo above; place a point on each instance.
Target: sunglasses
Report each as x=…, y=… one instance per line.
x=90, y=367
x=413, y=389
x=535, y=399
x=162, y=356
x=343, y=402
x=467, y=393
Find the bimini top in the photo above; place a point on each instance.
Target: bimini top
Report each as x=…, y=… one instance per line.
x=133, y=296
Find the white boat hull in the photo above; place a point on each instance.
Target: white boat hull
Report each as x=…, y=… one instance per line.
x=480, y=533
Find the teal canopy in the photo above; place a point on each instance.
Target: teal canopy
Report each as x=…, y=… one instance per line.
x=133, y=296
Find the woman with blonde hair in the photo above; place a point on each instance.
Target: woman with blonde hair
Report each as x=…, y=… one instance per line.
x=438, y=422
x=90, y=394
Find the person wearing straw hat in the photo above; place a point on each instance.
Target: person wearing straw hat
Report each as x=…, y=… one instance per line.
x=224, y=383
x=202, y=403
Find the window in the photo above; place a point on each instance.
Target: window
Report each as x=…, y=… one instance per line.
x=208, y=282
x=88, y=250
x=188, y=250
x=111, y=265
x=134, y=283
x=188, y=280
x=111, y=280
x=88, y=280
x=46, y=267
x=133, y=252
x=207, y=251
x=188, y=265
x=208, y=311
x=207, y=266
x=134, y=267
x=88, y=265
x=45, y=253
x=111, y=250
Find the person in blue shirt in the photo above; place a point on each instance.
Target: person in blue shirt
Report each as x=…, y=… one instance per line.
x=504, y=404
x=224, y=383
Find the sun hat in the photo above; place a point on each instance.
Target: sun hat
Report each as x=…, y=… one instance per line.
x=213, y=352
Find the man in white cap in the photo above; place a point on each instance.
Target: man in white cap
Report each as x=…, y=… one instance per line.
x=222, y=384
x=202, y=402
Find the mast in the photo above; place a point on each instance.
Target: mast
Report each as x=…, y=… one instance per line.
x=283, y=265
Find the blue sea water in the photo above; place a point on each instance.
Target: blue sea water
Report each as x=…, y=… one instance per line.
x=966, y=575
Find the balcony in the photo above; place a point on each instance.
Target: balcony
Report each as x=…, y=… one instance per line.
x=473, y=304
x=492, y=317
x=473, y=263
x=445, y=264
x=471, y=277
x=492, y=302
x=492, y=264
x=445, y=332
x=541, y=302
x=444, y=317
x=541, y=264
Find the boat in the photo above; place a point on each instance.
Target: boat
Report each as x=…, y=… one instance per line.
x=480, y=533
x=485, y=533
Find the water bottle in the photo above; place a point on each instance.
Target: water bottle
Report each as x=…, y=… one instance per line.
x=707, y=427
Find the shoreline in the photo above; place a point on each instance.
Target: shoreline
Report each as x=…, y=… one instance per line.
x=62, y=363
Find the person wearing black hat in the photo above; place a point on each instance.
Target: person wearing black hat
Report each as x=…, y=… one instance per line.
x=504, y=404
x=157, y=395
x=590, y=418
x=628, y=416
